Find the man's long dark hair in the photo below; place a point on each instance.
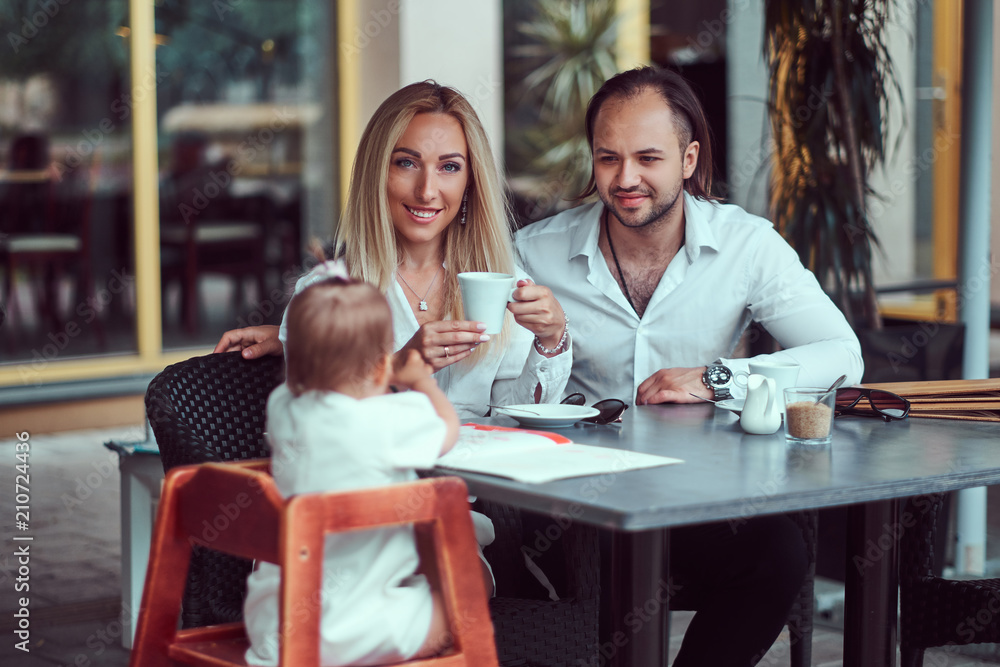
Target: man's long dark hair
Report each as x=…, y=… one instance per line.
x=689, y=119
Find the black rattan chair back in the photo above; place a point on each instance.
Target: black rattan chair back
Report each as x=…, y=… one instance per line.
x=531, y=629
x=212, y=408
x=934, y=611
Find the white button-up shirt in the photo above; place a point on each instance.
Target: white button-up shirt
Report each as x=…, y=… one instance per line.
x=734, y=268
x=504, y=377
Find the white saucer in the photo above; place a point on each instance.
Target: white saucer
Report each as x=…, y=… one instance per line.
x=736, y=405
x=547, y=415
x=731, y=404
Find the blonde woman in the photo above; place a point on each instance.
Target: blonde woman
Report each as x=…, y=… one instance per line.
x=425, y=204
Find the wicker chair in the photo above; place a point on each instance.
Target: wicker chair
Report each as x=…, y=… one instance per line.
x=212, y=408
x=935, y=611
x=541, y=632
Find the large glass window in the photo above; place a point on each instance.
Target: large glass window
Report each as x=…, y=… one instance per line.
x=65, y=182
x=241, y=87
x=246, y=161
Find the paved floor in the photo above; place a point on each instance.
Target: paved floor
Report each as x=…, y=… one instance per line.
x=75, y=573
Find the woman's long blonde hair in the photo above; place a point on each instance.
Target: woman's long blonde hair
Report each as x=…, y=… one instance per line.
x=366, y=236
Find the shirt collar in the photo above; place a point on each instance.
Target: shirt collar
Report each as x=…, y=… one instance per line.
x=698, y=232
x=584, y=234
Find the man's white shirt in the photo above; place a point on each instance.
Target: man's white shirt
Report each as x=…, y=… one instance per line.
x=733, y=268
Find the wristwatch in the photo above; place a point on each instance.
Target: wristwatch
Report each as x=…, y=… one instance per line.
x=718, y=378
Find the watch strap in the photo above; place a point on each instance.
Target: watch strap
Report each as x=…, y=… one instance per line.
x=722, y=393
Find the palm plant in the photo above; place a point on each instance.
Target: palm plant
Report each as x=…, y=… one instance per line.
x=570, y=53
x=830, y=82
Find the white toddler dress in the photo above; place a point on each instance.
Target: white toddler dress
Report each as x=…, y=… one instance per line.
x=374, y=608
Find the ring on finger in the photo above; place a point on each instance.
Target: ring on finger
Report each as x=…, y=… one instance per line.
x=446, y=351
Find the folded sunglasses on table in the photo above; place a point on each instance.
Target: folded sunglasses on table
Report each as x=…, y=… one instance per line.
x=611, y=409
x=885, y=404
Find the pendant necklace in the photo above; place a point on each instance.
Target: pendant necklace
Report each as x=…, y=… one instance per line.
x=607, y=232
x=423, y=299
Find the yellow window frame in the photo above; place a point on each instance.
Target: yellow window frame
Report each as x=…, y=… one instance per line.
x=150, y=356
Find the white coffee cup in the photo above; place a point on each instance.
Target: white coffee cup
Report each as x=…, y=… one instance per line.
x=784, y=374
x=485, y=297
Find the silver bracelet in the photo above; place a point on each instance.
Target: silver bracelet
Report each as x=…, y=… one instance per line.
x=560, y=346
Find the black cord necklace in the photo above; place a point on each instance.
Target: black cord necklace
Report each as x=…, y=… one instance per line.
x=607, y=232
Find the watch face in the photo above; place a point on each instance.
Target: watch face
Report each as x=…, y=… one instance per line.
x=718, y=376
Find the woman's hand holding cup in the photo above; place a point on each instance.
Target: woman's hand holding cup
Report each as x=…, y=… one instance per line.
x=538, y=311
x=444, y=342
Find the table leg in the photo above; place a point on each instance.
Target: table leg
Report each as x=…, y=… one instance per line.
x=871, y=587
x=140, y=493
x=637, y=628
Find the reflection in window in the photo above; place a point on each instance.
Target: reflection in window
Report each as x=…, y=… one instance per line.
x=65, y=183
x=240, y=89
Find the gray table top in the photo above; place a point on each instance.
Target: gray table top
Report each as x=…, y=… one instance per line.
x=728, y=474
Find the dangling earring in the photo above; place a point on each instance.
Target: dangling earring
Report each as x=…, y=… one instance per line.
x=465, y=201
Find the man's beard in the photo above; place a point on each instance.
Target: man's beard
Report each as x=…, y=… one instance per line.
x=661, y=209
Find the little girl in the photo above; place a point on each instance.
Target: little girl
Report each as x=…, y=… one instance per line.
x=333, y=426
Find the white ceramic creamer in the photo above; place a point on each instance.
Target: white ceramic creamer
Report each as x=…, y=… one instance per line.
x=760, y=414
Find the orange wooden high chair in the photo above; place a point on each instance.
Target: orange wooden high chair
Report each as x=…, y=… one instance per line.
x=236, y=508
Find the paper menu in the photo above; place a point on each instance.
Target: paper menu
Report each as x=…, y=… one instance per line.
x=977, y=400
x=538, y=456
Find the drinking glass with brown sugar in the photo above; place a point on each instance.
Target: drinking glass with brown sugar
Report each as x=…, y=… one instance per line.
x=809, y=415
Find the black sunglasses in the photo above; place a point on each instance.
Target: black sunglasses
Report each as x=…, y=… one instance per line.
x=611, y=409
x=887, y=405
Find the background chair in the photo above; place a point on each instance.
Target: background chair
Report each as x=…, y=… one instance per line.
x=212, y=408
x=532, y=629
x=934, y=611
x=205, y=229
x=800, y=618
x=291, y=534
x=44, y=227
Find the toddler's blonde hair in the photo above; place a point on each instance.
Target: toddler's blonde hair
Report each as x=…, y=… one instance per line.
x=339, y=331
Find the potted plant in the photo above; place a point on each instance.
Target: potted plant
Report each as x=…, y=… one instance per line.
x=831, y=88
x=567, y=52
x=831, y=85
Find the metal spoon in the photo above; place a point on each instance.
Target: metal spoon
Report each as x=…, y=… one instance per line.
x=707, y=400
x=836, y=383
x=506, y=407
